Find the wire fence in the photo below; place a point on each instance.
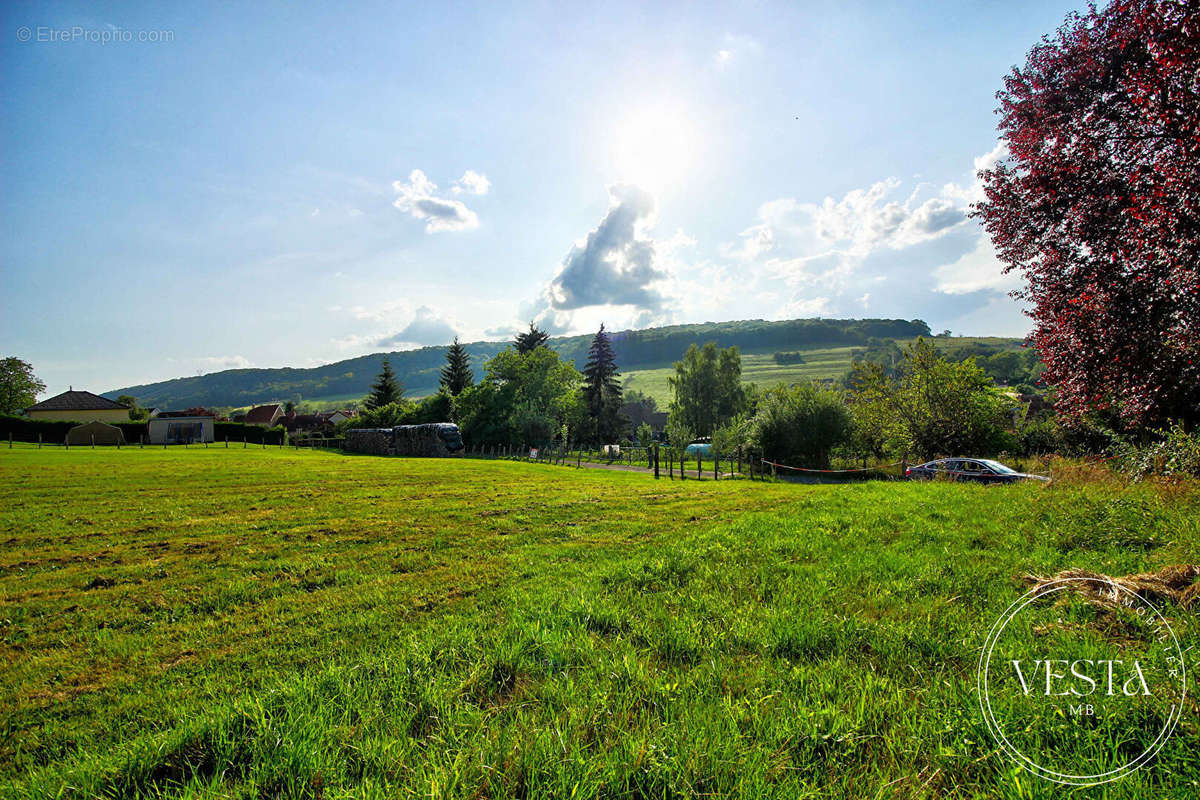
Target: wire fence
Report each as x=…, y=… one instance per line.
x=661, y=461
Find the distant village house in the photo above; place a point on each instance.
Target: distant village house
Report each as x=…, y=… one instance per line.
x=267, y=416
x=79, y=407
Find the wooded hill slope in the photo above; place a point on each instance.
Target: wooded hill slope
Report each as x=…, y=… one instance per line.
x=649, y=349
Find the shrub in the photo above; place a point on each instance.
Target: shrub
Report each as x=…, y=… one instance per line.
x=800, y=424
x=253, y=434
x=1174, y=452
x=645, y=435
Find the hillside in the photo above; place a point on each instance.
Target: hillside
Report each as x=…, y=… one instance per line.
x=643, y=355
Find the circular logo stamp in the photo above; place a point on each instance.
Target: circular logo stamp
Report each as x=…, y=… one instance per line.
x=1081, y=681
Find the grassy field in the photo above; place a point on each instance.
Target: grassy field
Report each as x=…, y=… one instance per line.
x=263, y=623
x=758, y=366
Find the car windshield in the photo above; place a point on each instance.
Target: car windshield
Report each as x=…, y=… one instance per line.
x=998, y=467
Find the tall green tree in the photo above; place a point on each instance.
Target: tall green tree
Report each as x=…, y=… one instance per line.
x=386, y=389
x=936, y=407
x=457, y=374
x=136, y=413
x=602, y=391
x=530, y=340
x=708, y=388
x=522, y=399
x=19, y=387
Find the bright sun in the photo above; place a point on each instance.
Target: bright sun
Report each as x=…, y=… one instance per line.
x=654, y=147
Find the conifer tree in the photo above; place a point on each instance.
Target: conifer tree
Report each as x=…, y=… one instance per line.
x=386, y=389
x=530, y=340
x=602, y=393
x=457, y=374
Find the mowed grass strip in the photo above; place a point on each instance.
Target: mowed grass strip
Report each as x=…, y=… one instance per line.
x=212, y=622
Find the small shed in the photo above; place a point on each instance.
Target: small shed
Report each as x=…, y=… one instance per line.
x=180, y=430
x=95, y=433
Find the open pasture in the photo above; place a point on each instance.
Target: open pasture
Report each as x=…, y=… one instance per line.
x=274, y=623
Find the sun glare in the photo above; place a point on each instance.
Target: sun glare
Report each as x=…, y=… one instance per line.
x=654, y=147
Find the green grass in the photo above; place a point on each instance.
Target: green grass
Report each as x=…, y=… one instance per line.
x=262, y=623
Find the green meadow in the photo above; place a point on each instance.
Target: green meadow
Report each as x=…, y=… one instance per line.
x=211, y=622
x=820, y=363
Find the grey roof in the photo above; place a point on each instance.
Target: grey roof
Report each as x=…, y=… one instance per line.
x=77, y=401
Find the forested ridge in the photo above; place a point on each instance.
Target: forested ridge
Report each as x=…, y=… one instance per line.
x=418, y=370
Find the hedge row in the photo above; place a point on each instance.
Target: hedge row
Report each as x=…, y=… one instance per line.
x=23, y=429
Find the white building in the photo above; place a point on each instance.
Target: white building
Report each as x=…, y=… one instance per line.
x=180, y=430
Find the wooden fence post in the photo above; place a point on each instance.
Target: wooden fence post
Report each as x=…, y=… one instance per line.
x=699, y=464
x=716, y=467
x=655, y=457
x=39, y=441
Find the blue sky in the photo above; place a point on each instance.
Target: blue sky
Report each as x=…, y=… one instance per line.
x=288, y=186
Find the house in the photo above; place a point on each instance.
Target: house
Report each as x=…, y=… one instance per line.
x=178, y=427
x=334, y=417
x=79, y=407
x=638, y=413
x=267, y=416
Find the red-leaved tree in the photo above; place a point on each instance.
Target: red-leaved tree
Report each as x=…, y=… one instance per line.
x=1098, y=206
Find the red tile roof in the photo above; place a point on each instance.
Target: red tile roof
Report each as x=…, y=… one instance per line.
x=263, y=414
x=77, y=401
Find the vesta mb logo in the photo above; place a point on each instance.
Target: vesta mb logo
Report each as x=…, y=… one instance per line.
x=1081, y=678
x=1063, y=675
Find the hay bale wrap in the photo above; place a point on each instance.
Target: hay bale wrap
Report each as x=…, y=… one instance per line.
x=376, y=441
x=437, y=439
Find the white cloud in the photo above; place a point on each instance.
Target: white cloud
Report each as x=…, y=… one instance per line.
x=755, y=241
x=618, y=274
x=976, y=270
x=806, y=307
x=735, y=47
x=913, y=255
x=616, y=263
x=224, y=362
x=973, y=192
x=418, y=197
x=211, y=363
x=472, y=182
x=426, y=328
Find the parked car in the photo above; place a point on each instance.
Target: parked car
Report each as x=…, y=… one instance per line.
x=977, y=470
